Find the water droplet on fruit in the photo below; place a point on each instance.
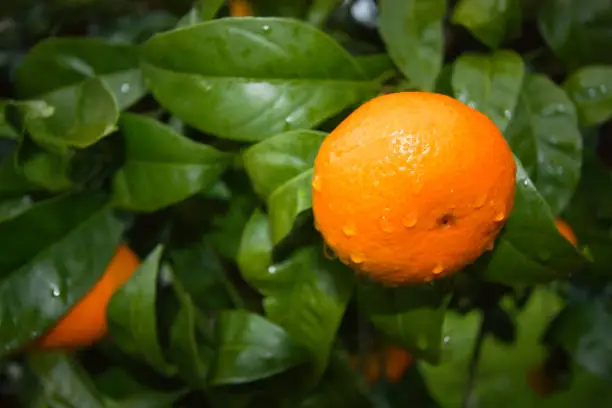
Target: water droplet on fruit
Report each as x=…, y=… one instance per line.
x=480, y=201
x=349, y=230
x=356, y=258
x=316, y=183
x=385, y=224
x=438, y=270
x=489, y=246
x=328, y=252
x=410, y=220
x=500, y=216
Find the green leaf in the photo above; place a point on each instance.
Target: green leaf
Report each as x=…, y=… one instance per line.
x=12, y=181
x=81, y=115
x=501, y=370
x=276, y=160
x=227, y=227
x=131, y=315
x=6, y=130
x=529, y=249
x=376, y=66
x=203, y=10
x=191, y=353
x=41, y=168
x=490, y=21
x=251, y=77
x=64, y=382
x=412, y=31
x=489, y=83
x=59, y=63
x=286, y=202
x=310, y=301
x=52, y=254
x=251, y=348
x=320, y=10
x=411, y=316
x=583, y=329
x=544, y=135
x=577, y=31
x=255, y=253
x=591, y=90
x=161, y=166
x=11, y=208
x=150, y=399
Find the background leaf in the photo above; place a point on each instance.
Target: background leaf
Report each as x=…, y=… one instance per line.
x=287, y=202
x=162, y=167
x=251, y=78
x=60, y=63
x=590, y=88
x=64, y=243
x=491, y=21
x=490, y=84
x=413, y=34
x=274, y=161
x=544, y=135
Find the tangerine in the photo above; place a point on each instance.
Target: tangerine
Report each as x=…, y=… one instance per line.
x=85, y=322
x=412, y=186
x=565, y=230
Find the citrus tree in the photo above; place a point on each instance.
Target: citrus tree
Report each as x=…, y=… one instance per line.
x=158, y=166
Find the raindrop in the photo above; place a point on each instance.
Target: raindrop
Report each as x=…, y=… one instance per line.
x=267, y=29
x=272, y=270
x=446, y=339
x=349, y=230
x=316, y=183
x=438, y=270
x=385, y=224
x=356, y=258
x=125, y=88
x=410, y=220
x=55, y=292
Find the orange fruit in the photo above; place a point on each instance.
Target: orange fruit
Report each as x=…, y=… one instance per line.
x=240, y=8
x=394, y=361
x=566, y=231
x=540, y=382
x=412, y=186
x=85, y=323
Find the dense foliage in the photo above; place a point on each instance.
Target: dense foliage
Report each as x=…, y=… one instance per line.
x=191, y=135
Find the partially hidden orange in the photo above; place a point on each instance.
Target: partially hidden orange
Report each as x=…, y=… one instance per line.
x=392, y=363
x=565, y=230
x=240, y=8
x=85, y=323
x=412, y=186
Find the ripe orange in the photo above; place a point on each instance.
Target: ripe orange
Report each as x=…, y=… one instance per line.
x=85, y=323
x=394, y=361
x=566, y=231
x=240, y=8
x=412, y=186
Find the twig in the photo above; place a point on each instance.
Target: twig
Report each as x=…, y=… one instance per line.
x=473, y=367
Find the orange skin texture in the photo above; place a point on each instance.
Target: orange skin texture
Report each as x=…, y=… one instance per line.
x=566, y=231
x=396, y=361
x=240, y=8
x=85, y=323
x=412, y=186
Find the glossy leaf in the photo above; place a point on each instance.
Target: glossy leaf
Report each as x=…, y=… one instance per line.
x=12, y=181
x=544, y=135
x=412, y=31
x=590, y=88
x=376, y=65
x=56, y=64
x=276, y=160
x=44, y=169
x=411, y=316
x=251, y=348
x=320, y=10
x=310, y=300
x=64, y=382
x=491, y=21
x=245, y=78
x=489, y=83
x=577, y=31
x=131, y=315
x=150, y=399
x=255, y=253
x=6, y=130
x=161, y=166
x=11, y=208
x=502, y=368
x=529, y=249
x=53, y=253
x=80, y=116
x=202, y=10
x=286, y=202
